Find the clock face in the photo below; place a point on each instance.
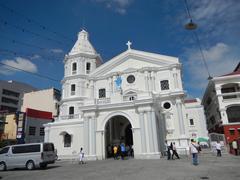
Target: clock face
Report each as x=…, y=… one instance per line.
x=130, y=79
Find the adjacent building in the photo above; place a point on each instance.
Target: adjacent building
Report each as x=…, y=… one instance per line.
x=196, y=119
x=221, y=103
x=11, y=94
x=43, y=100
x=135, y=98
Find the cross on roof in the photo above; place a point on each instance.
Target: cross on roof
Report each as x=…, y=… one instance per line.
x=129, y=44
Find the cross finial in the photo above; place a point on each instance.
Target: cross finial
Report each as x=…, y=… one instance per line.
x=129, y=44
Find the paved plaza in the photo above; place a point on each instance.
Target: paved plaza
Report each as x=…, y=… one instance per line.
x=211, y=167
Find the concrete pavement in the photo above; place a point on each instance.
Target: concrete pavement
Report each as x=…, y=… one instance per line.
x=210, y=167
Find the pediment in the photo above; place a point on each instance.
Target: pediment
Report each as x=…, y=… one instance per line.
x=133, y=60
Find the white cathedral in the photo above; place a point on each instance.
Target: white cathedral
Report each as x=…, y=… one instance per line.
x=136, y=98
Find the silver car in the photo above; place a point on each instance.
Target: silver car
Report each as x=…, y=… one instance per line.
x=30, y=156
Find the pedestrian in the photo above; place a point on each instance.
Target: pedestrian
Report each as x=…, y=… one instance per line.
x=218, y=148
x=235, y=147
x=115, y=152
x=193, y=150
x=81, y=156
x=167, y=150
x=174, y=151
x=123, y=150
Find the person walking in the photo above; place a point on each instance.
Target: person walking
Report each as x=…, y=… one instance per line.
x=115, y=152
x=167, y=150
x=235, y=147
x=193, y=150
x=174, y=151
x=123, y=150
x=218, y=148
x=81, y=156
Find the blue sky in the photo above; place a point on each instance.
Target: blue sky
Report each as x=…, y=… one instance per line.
x=154, y=25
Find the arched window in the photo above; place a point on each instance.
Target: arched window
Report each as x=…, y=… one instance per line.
x=233, y=114
x=73, y=89
x=74, y=68
x=88, y=67
x=71, y=112
x=67, y=140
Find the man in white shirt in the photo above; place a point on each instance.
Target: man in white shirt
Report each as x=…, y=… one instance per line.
x=235, y=147
x=193, y=149
x=218, y=148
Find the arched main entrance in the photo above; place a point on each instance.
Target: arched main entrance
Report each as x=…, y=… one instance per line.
x=118, y=130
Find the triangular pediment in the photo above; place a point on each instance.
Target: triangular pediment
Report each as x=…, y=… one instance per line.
x=133, y=60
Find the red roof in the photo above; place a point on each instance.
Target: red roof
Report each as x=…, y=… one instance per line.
x=38, y=114
x=233, y=73
x=190, y=101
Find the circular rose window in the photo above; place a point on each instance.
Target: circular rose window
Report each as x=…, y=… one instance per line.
x=167, y=105
x=130, y=79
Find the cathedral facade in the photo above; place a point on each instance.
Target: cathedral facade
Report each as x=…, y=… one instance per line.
x=136, y=98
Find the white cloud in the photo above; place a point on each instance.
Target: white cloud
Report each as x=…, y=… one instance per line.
x=35, y=56
x=220, y=60
x=119, y=6
x=17, y=64
x=216, y=18
x=57, y=51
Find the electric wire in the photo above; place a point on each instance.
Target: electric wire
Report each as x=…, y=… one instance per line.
x=28, y=55
x=13, y=41
x=23, y=30
x=32, y=21
x=198, y=41
x=35, y=74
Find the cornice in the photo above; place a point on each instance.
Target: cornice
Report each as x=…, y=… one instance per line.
x=142, y=70
x=73, y=77
x=72, y=99
x=92, y=56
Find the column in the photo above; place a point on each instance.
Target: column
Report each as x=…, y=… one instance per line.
x=113, y=83
x=154, y=132
x=146, y=80
x=150, y=81
x=150, y=132
x=86, y=135
x=91, y=89
x=90, y=135
x=110, y=86
x=143, y=134
x=92, y=130
x=153, y=81
x=180, y=117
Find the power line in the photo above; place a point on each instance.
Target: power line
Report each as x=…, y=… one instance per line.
x=27, y=55
x=30, y=20
x=13, y=41
x=198, y=40
x=35, y=74
x=23, y=30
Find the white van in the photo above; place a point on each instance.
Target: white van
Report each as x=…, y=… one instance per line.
x=27, y=155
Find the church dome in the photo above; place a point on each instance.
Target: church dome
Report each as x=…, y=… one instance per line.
x=83, y=45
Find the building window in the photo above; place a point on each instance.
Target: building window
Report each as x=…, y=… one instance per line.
x=71, y=110
x=41, y=131
x=191, y=122
x=73, y=89
x=67, y=140
x=9, y=101
x=164, y=85
x=10, y=93
x=232, y=131
x=32, y=131
x=88, y=67
x=233, y=114
x=238, y=132
x=102, y=93
x=74, y=68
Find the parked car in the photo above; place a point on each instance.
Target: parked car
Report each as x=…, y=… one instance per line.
x=30, y=156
